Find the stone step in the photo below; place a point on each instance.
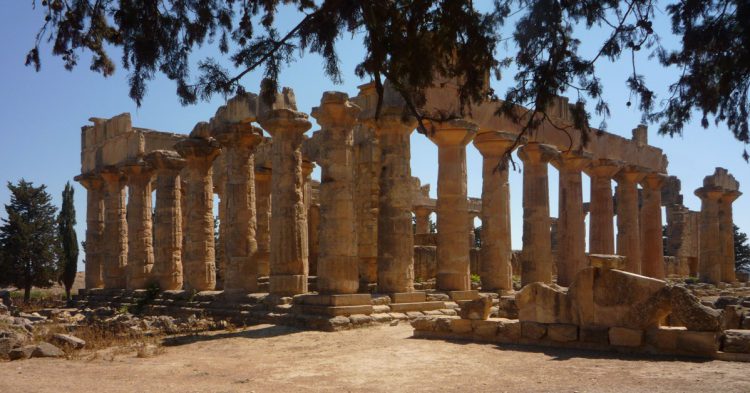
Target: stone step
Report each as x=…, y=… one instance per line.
x=332, y=311
x=417, y=306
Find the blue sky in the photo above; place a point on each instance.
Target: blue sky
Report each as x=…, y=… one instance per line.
x=42, y=114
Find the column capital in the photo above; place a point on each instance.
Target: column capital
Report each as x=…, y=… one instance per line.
x=630, y=174
x=336, y=111
x=238, y=135
x=495, y=143
x=457, y=132
x=730, y=196
x=307, y=167
x=284, y=121
x=138, y=169
x=603, y=167
x=535, y=152
x=709, y=193
x=90, y=181
x=193, y=149
x=653, y=181
x=165, y=160
x=423, y=209
x=111, y=174
x=572, y=160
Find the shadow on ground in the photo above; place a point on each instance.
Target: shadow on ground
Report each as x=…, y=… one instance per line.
x=264, y=332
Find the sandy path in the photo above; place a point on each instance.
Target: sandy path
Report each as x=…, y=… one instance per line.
x=268, y=358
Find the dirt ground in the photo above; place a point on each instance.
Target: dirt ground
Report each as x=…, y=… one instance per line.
x=269, y=358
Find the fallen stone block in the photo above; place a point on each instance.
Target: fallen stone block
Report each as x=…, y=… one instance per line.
x=539, y=302
x=562, y=332
x=533, y=330
x=509, y=328
x=688, y=309
x=476, y=309
x=21, y=353
x=461, y=325
x=72, y=341
x=736, y=340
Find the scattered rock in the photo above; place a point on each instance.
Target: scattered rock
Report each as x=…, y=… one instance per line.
x=692, y=313
x=476, y=309
x=72, y=341
x=736, y=340
x=6, y=345
x=47, y=350
x=21, y=353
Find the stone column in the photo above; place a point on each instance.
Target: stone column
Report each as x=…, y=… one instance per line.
x=472, y=235
x=395, y=235
x=263, y=215
x=422, y=214
x=536, y=255
x=726, y=230
x=652, y=258
x=140, y=236
x=496, y=251
x=628, y=228
x=289, y=250
x=94, y=228
x=313, y=237
x=601, y=207
x=219, y=246
x=238, y=141
x=453, y=273
x=571, y=242
x=115, y=236
x=168, y=218
x=711, y=255
x=338, y=270
x=199, y=263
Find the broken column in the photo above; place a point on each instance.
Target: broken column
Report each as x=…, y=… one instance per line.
x=451, y=137
x=238, y=141
x=496, y=251
x=628, y=229
x=289, y=251
x=94, y=228
x=263, y=216
x=167, y=268
x=571, y=242
x=711, y=256
x=199, y=264
x=140, y=236
x=726, y=229
x=337, y=270
x=652, y=258
x=536, y=255
x=422, y=215
x=601, y=207
x=115, y=236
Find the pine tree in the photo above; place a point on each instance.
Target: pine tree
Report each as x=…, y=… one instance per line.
x=741, y=250
x=68, y=256
x=28, y=239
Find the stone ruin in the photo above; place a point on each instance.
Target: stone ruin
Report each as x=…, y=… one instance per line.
x=343, y=252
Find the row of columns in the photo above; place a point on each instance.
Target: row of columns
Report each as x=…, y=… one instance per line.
x=717, y=259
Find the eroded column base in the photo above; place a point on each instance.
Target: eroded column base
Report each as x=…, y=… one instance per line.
x=288, y=285
x=453, y=282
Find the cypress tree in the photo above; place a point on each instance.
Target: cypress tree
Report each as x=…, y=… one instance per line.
x=68, y=257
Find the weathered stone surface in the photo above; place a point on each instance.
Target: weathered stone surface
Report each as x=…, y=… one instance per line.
x=699, y=343
x=594, y=334
x=601, y=207
x=609, y=297
x=6, y=345
x=652, y=263
x=688, y=309
x=625, y=337
x=423, y=323
x=562, y=332
x=628, y=229
x=533, y=330
x=95, y=192
x=47, y=350
x=509, y=328
x=21, y=353
x=539, y=302
x=736, y=340
x=476, y=309
x=460, y=326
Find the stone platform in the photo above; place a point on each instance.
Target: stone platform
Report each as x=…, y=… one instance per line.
x=309, y=311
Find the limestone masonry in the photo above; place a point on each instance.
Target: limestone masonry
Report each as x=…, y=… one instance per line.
x=358, y=247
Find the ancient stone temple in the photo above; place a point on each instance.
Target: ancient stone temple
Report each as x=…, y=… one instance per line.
x=362, y=241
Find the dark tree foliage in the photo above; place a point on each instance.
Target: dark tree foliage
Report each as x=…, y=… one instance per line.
x=410, y=42
x=28, y=239
x=741, y=250
x=68, y=255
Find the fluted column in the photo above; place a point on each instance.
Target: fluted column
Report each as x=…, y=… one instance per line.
x=395, y=235
x=238, y=141
x=263, y=215
x=571, y=242
x=219, y=247
x=453, y=273
x=711, y=254
x=168, y=218
x=95, y=192
x=338, y=270
x=289, y=250
x=422, y=215
x=726, y=230
x=652, y=258
x=536, y=255
x=601, y=206
x=115, y=238
x=313, y=237
x=199, y=262
x=496, y=272
x=140, y=222
x=628, y=228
